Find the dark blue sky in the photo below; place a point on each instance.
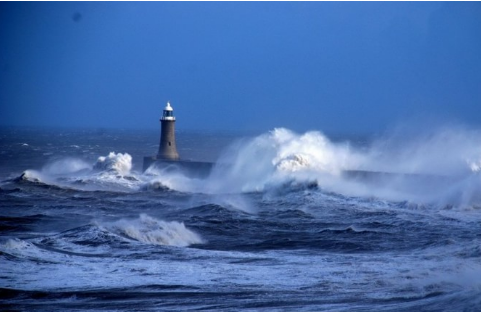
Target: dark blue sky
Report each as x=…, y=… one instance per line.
x=348, y=67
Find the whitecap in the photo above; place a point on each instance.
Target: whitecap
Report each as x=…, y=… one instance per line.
x=120, y=163
x=149, y=230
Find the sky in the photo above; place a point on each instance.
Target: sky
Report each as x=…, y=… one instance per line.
x=345, y=67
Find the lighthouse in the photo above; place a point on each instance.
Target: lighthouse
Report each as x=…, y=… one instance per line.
x=167, y=147
x=167, y=159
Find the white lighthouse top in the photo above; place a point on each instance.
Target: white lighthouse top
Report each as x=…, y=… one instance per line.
x=168, y=107
x=168, y=113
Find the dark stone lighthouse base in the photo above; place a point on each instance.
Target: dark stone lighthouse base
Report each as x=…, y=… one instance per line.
x=194, y=169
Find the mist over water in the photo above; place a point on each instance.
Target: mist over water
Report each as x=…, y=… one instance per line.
x=285, y=220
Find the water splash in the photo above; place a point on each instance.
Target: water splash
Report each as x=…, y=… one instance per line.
x=438, y=167
x=118, y=163
x=111, y=172
x=66, y=166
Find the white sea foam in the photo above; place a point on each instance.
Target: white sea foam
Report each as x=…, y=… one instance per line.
x=17, y=244
x=440, y=166
x=276, y=157
x=112, y=172
x=435, y=167
x=171, y=179
x=280, y=157
x=32, y=176
x=149, y=230
x=119, y=163
x=24, y=249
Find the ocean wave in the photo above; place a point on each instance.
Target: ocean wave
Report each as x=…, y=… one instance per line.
x=118, y=163
x=30, y=176
x=109, y=173
x=23, y=249
x=439, y=167
x=153, y=231
x=36, y=179
x=277, y=157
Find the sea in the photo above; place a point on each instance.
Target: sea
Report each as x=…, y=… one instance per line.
x=285, y=221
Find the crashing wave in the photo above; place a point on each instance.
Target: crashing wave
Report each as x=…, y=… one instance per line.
x=33, y=177
x=118, y=163
x=29, y=176
x=155, y=186
x=149, y=230
x=311, y=150
x=111, y=172
x=293, y=163
x=439, y=167
x=278, y=157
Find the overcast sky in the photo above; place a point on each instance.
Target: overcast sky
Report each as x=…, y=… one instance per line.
x=350, y=67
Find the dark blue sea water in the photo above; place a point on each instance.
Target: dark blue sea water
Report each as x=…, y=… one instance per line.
x=280, y=224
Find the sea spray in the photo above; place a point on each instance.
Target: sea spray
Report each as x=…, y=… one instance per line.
x=31, y=176
x=313, y=151
x=118, y=163
x=166, y=178
x=276, y=157
x=438, y=166
x=344, y=252
x=435, y=167
x=448, y=151
x=66, y=166
x=111, y=172
x=56, y=172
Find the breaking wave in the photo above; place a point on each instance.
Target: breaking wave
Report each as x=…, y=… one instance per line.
x=111, y=172
x=117, y=163
x=149, y=230
x=30, y=176
x=278, y=157
x=439, y=167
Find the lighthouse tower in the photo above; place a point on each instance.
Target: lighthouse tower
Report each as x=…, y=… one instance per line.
x=167, y=148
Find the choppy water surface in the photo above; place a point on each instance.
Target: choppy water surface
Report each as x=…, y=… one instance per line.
x=278, y=225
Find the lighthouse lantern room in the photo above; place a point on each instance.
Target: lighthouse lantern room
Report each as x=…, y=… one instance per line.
x=168, y=113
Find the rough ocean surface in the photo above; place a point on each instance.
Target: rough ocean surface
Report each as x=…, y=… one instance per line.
x=286, y=222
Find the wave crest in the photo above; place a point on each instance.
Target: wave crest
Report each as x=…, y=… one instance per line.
x=149, y=230
x=440, y=167
x=30, y=176
x=312, y=150
x=118, y=163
